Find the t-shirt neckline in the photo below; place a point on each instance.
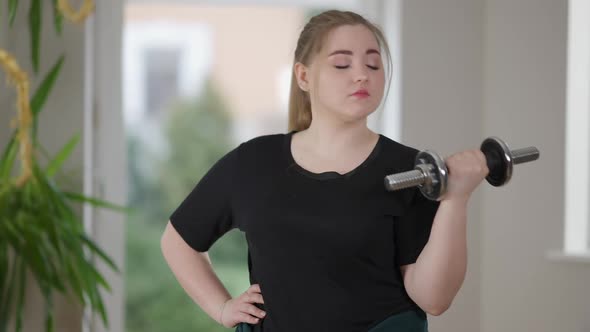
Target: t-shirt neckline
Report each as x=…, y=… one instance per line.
x=328, y=175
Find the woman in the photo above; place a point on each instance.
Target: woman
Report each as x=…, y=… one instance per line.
x=329, y=249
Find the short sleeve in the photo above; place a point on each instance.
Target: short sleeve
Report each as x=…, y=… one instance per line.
x=206, y=213
x=412, y=229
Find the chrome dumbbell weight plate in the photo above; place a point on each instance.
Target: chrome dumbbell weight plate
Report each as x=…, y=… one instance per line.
x=498, y=159
x=435, y=185
x=429, y=174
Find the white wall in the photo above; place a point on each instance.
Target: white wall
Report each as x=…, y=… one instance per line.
x=472, y=69
x=441, y=98
x=525, y=77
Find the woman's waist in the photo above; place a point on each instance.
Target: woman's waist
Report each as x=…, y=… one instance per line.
x=408, y=320
x=412, y=320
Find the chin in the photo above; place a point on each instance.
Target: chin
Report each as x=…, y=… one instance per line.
x=361, y=112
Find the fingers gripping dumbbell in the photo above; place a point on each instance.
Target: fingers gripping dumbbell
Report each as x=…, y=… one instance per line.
x=430, y=173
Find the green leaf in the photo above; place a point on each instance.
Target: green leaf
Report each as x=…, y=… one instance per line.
x=6, y=301
x=3, y=262
x=31, y=238
x=99, y=252
x=3, y=323
x=57, y=19
x=20, y=285
x=49, y=326
x=75, y=266
x=98, y=278
x=101, y=310
x=35, y=31
x=74, y=281
x=94, y=296
x=7, y=161
x=45, y=87
x=87, y=277
x=38, y=252
x=4, y=283
x=15, y=239
x=61, y=156
x=39, y=147
x=96, y=202
x=12, y=6
x=49, y=321
x=42, y=92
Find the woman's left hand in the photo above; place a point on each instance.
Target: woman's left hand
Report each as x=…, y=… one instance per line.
x=467, y=169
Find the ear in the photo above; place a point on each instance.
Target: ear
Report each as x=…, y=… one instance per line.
x=300, y=72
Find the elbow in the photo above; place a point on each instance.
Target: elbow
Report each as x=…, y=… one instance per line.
x=163, y=244
x=435, y=306
x=165, y=241
x=438, y=310
x=432, y=305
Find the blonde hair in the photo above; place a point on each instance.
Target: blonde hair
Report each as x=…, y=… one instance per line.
x=309, y=44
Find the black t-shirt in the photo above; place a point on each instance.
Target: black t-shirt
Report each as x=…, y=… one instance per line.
x=325, y=247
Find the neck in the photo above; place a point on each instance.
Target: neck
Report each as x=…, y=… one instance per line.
x=332, y=139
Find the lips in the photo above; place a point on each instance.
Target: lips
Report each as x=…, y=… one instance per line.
x=361, y=92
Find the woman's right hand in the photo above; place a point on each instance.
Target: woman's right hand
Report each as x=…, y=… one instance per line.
x=241, y=309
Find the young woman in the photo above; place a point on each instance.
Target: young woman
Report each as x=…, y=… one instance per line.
x=329, y=249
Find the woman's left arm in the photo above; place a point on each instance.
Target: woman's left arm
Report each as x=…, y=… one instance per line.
x=436, y=277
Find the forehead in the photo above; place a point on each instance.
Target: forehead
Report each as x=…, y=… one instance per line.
x=357, y=38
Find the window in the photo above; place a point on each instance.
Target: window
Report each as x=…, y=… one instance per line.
x=161, y=77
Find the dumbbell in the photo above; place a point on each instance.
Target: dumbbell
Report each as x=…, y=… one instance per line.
x=430, y=172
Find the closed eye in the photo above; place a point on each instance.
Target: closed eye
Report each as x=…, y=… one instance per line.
x=344, y=67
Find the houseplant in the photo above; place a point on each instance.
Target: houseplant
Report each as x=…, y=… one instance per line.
x=40, y=232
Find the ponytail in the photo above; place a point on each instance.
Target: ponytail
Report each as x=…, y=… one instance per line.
x=299, y=107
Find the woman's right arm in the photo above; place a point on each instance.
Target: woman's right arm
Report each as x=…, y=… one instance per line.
x=194, y=272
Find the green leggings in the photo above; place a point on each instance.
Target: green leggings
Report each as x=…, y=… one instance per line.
x=407, y=321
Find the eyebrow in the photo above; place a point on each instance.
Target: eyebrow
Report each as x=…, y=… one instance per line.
x=347, y=52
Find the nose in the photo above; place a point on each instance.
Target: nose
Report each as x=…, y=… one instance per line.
x=361, y=75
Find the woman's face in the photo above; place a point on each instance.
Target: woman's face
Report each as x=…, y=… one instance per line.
x=349, y=61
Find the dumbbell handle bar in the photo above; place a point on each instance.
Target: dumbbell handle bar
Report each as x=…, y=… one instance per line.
x=418, y=177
